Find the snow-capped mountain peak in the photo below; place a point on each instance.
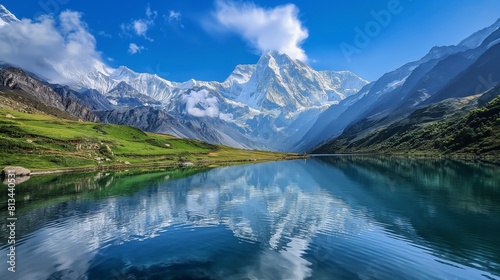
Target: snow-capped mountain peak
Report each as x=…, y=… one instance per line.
x=279, y=81
x=277, y=62
x=6, y=17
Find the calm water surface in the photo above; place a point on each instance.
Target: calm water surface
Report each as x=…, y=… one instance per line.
x=320, y=218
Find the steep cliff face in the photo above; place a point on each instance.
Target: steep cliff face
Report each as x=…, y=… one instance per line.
x=91, y=98
x=73, y=105
x=63, y=99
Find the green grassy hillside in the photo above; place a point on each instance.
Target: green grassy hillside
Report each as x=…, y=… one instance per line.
x=475, y=132
x=43, y=142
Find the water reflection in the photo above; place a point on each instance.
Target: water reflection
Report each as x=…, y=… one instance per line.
x=339, y=217
x=448, y=207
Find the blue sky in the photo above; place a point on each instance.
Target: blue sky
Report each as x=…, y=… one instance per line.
x=205, y=40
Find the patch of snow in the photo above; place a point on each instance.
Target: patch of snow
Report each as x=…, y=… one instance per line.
x=493, y=43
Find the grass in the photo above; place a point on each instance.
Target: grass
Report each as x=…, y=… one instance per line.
x=476, y=132
x=41, y=142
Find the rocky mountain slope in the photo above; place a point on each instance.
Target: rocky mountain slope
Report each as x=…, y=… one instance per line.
x=445, y=72
x=62, y=101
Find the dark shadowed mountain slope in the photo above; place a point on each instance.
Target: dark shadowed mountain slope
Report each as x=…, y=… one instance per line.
x=456, y=125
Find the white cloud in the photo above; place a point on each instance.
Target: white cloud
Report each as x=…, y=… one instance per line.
x=202, y=104
x=226, y=117
x=134, y=48
x=150, y=14
x=276, y=29
x=104, y=34
x=140, y=27
x=174, y=16
x=54, y=49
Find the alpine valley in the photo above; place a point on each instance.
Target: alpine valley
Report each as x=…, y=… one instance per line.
x=283, y=104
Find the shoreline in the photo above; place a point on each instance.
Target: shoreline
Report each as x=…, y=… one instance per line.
x=487, y=157
x=158, y=165
x=40, y=172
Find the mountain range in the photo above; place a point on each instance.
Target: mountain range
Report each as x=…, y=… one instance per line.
x=261, y=106
x=467, y=69
x=279, y=103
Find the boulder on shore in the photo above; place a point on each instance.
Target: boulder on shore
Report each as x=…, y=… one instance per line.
x=18, y=170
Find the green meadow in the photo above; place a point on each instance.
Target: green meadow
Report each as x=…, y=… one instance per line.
x=42, y=142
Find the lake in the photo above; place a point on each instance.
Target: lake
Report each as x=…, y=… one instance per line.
x=340, y=217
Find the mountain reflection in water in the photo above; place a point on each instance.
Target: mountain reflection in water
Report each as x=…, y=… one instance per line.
x=320, y=218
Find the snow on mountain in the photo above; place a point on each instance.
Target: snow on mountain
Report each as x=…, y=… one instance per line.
x=281, y=91
x=6, y=17
x=493, y=43
x=282, y=96
x=124, y=95
x=281, y=82
x=241, y=74
x=476, y=39
x=346, y=83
